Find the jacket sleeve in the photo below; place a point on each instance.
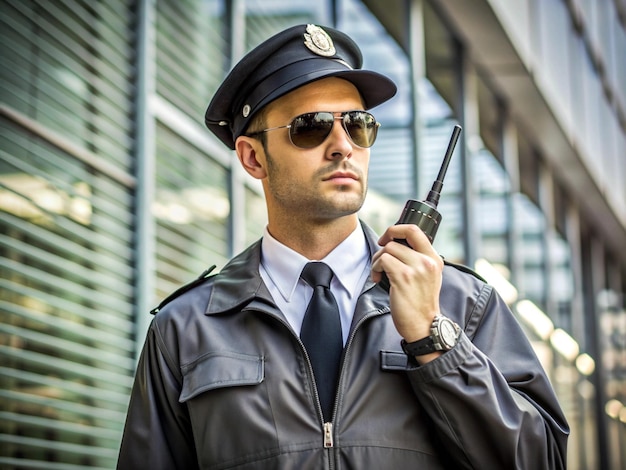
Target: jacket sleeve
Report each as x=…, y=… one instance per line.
x=489, y=399
x=157, y=434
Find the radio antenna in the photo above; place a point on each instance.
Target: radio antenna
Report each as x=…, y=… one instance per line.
x=433, y=196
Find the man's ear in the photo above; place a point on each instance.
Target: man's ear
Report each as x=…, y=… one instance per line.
x=248, y=151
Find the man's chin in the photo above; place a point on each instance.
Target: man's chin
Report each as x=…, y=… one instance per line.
x=346, y=207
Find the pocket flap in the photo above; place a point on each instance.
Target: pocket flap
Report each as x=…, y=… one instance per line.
x=217, y=370
x=392, y=360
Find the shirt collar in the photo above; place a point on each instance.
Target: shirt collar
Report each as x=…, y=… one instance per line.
x=284, y=265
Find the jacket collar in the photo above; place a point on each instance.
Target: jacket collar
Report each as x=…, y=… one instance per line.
x=239, y=282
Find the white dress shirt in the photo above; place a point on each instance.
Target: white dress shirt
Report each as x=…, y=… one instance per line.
x=281, y=268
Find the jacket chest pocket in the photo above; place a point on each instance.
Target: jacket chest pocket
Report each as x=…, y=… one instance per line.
x=221, y=388
x=218, y=370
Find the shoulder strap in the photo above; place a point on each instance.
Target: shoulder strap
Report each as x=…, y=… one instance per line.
x=181, y=290
x=465, y=269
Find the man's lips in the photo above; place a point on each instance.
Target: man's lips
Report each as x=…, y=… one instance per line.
x=342, y=177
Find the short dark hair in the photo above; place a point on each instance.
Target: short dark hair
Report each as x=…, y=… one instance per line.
x=258, y=122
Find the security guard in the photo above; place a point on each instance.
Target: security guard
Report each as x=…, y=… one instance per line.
x=293, y=356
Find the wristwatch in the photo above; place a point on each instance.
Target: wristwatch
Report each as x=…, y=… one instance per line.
x=444, y=334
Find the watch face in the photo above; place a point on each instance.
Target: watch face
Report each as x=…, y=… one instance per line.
x=447, y=333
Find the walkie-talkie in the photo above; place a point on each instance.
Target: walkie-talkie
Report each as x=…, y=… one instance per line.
x=424, y=214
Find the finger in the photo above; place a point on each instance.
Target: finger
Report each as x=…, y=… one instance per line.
x=384, y=262
x=377, y=263
x=413, y=235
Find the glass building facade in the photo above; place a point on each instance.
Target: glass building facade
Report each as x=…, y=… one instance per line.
x=113, y=193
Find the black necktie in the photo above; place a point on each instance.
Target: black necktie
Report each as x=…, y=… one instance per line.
x=321, y=334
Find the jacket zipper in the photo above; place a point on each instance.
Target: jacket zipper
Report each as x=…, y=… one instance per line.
x=328, y=435
x=328, y=427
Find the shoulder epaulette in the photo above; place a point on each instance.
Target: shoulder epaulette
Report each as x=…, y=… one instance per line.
x=465, y=269
x=181, y=290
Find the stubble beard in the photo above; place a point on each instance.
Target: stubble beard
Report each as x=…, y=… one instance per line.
x=290, y=194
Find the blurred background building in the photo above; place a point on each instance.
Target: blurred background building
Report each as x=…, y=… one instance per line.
x=113, y=193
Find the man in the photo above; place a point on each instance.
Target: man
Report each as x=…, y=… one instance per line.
x=234, y=373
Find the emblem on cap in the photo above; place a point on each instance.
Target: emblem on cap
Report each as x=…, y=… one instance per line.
x=318, y=41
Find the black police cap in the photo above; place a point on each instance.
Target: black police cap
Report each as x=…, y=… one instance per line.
x=286, y=61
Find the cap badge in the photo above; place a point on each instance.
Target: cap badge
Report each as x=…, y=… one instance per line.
x=318, y=41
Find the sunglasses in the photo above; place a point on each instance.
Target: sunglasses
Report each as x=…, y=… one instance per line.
x=309, y=130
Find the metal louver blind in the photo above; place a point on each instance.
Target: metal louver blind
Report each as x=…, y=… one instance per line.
x=191, y=53
x=191, y=208
x=192, y=195
x=66, y=298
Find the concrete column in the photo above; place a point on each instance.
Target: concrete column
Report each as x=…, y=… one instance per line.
x=467, y=109
x=145, y=156
x=417, y=58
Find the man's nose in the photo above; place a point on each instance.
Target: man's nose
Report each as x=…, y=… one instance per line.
x=341, y=143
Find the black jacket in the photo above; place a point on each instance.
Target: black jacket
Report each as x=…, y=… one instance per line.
x=224, y=383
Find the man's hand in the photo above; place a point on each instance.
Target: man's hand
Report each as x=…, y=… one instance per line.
x=415, y=278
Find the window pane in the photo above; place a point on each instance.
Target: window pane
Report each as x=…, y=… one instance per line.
x=191, y=53
x=66, y=231
x=192, y=208
x=65, y=305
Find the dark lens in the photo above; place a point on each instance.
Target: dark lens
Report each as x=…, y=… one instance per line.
x=311, y=129
x=361, y=127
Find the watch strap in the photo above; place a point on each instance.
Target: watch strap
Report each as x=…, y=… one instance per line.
x=420, y=347
x=433, y=342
